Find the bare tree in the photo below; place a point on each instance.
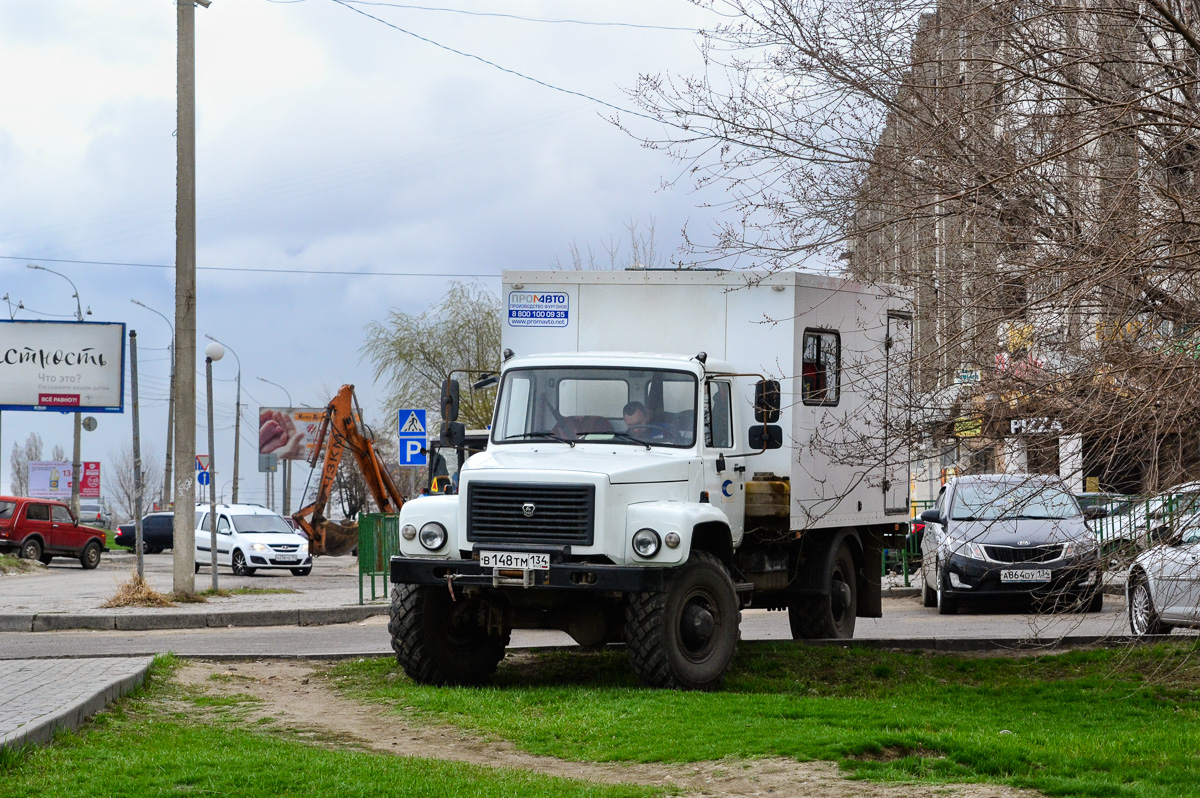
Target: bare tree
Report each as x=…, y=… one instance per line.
x=22, y=456
x=120, y=491
x=643, y=251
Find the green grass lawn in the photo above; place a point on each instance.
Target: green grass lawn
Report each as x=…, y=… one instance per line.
x=1105, y=723
x=167, y=741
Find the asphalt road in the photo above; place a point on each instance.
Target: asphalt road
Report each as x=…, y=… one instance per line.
x=904, y=619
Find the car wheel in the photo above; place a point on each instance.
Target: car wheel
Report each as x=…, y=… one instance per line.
x=31, y=549
x=1097, y=602
x=238, y=563
x=947, y=604
x=197, y=567
x=91, y=556
x=302, y=571
x=928, y=594
x=1143, y=617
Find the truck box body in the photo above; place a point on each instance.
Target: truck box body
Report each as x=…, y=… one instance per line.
x=837, y=454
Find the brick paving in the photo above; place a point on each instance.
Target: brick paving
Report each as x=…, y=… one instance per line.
x=42, y=696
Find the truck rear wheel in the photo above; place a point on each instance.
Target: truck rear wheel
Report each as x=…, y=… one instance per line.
x=685, y=637
x=439, y=641
x=833, y=615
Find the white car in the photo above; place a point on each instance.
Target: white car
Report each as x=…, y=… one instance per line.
x=250, y=538
x=1163, y=587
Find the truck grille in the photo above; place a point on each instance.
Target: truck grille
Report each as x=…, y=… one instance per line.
x=531, y=512
x=1025, y=553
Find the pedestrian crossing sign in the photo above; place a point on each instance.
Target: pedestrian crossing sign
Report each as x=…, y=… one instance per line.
x=413, y=437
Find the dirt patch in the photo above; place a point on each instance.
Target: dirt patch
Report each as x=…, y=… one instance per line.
x=10, y=566
x=291, y=697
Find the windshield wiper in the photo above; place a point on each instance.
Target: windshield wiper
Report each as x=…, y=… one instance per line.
x=541, y=434
x=621, y=436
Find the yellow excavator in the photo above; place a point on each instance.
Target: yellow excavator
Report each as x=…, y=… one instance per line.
x=341, y=425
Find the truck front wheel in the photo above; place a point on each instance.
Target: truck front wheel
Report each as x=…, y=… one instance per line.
x=439, y=641
x=685, y=637
x=832, y=615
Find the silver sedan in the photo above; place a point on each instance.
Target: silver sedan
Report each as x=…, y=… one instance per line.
x=1163, y=588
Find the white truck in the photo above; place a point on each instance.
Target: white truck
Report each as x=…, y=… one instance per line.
x=668, y=447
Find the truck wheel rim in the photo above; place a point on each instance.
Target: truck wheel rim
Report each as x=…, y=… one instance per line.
x=699, y=620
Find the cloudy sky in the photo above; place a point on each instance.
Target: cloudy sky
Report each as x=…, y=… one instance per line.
x=331, y=146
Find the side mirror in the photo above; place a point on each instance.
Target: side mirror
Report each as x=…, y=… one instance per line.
x=931, y=516
x=454, y=434
x=766, y=401
x=766, y=437
x=449, y=406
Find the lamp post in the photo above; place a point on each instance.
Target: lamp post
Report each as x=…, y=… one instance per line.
x=287, y=464
x=237, y=419
x=166, y=489
x=213, y=351
x=76, y=456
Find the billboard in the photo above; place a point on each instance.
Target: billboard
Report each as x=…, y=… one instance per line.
x=289, y=433
x=51, y=479
x=62, y=365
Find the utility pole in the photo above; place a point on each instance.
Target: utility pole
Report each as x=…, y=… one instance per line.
x=166, y=488
x=185, y=299
x=137, y=456
x=237, y=419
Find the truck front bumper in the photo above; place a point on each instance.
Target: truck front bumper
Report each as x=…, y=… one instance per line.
x=560, y=576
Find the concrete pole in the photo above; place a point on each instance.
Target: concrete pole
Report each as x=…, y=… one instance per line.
x=166, y=494
x=76, y=465
x=185, y=301
x=237, y=431
x=137, y=456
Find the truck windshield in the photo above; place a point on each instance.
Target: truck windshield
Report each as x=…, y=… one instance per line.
x=633, y=407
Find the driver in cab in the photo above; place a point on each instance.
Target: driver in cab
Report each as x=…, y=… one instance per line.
x=638, y=424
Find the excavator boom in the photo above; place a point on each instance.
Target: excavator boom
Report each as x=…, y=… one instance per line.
x=341, y=426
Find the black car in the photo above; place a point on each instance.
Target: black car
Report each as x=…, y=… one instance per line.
x=1009, y=534
x=157, y=533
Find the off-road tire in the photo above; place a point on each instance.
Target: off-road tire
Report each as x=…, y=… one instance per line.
x=238, y=563
x=1096, y=603
x=90, y=557
x=438, y=641
x=31, y=549
x=661, y=629
x=821, y=617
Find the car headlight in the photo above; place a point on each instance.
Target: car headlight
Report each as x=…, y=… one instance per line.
x=258, y=547
x=408, y=532
x=1079, y=548
x=646, y=542
x=965, y=548
x=433, y=536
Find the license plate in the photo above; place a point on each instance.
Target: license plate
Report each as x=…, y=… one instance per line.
x=1039, y=575
x=523, y=560
x=287, y=558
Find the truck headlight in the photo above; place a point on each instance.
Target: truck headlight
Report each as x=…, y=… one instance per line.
x=408, y=532
x=646, y=542
x=672, y=540
x=433, y=536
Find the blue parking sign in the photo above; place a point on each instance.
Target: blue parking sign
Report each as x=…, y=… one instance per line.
x=414, y=437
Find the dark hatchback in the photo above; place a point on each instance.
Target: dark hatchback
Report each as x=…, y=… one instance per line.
x=994, y=535
x=157, y=533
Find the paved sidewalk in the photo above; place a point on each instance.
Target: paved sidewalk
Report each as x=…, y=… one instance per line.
x=44, y=695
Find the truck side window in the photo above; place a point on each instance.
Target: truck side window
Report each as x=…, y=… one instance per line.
x=819, y=369
x=718, y=414
x=38, y=512
x=61, y=514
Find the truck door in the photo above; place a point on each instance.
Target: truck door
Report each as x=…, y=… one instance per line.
x=727, y=487
x=898, y=356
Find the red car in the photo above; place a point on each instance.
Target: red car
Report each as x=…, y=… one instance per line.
x=41, y=529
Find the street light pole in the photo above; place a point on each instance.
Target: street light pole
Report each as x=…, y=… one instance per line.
x=287, y=464
x=213, y=351
x=76, y=455
x=166, y=488
x=237, y=419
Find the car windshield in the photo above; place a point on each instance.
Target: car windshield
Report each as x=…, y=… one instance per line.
x=990, y=501
x=6, y=509
x=631, y=407
x=260, y=523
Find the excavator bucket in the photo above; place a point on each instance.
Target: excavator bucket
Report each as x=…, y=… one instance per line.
x=334, y=538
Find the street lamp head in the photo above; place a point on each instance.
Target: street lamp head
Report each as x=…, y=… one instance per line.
x=214, y=351
x=34, y=266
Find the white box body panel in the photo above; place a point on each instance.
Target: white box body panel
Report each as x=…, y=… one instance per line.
x=844, y=468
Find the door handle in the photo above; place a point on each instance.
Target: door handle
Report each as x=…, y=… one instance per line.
x=741, y=469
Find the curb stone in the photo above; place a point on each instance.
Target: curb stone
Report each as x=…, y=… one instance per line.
x=149, y=621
